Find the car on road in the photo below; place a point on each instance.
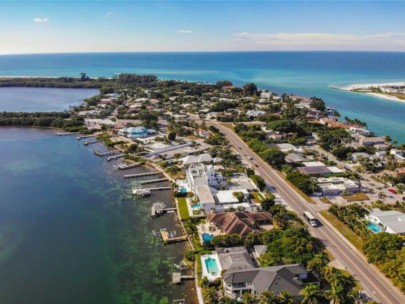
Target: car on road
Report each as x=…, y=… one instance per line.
x=256, y=165
x=250, y=157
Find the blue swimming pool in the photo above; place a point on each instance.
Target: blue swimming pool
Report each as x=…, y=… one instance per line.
x=212, y=266
x=196, y=206
x=183, y=190
x=207, y=237
x=374, y=227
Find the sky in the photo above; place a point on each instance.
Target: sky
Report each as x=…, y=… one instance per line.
x=234, y=25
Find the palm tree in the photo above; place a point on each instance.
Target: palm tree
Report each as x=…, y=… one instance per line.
x=248, y=298
x=268, y=297
x=285, y=297
x=312, y=294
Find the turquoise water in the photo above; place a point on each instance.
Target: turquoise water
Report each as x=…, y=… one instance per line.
x=207, y=237
x=196, y=206
x=212, y=266
x=374, y=227
x=304, y=73
x=42, y=99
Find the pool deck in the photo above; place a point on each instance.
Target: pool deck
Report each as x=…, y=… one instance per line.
x=211, y=277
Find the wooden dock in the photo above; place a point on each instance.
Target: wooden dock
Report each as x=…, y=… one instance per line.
x=86, y=143
x=65, y=133
x=152, y=181
x=177, y=277
x=115, y=157
x=124, y=166
x=159, y=208
x=142, y=174
x=107, y=153
x=169, y=240
x=135, y=191
x=84, y=136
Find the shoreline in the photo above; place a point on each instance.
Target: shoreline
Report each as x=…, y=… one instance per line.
x=352, y=87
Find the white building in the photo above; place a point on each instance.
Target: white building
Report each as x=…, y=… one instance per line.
x=200, y=178
x=336, y=185
x=391, y=221
x=398, y=154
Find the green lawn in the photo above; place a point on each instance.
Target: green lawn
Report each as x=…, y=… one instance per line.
x=343, y=229
x=183, y=208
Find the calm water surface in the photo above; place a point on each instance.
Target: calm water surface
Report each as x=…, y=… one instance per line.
x=69, y=233
x=42, y=99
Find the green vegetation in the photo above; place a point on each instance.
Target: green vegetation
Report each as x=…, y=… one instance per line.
x=42, y=119
x=182, y=203
x=343, y=229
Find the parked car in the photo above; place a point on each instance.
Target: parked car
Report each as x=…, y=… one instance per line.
x=392, y=190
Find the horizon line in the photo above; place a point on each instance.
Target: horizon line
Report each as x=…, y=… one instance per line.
x=191, y=52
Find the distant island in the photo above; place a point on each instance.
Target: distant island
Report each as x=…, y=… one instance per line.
x=392, y=91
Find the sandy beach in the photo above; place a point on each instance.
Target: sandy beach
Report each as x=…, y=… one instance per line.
x=368, y=85
x=352, y=87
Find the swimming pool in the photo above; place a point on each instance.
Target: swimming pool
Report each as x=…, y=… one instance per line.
x=183, y=190
x=374, y=227
x=196, y=206
x=207, y=237
x=212, y=266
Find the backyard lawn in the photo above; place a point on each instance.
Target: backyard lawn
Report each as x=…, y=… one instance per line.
x=183, y=208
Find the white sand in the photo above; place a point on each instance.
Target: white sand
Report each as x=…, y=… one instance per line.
x=368, y=85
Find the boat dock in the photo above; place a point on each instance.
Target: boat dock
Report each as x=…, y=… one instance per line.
x=115, y=157
x=141, y=192
x=65, y=133
x=125, y=166
x=152, y=181
x=177, y=277
x=168, y=238
x=137, y=191
x=84, y=136
x=86, y=143
x=159, y=208
x=107, y=153
x=142, y=174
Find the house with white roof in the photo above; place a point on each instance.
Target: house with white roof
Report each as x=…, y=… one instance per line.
x=390, y=221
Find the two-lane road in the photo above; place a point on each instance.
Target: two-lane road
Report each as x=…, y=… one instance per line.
x=371, y=279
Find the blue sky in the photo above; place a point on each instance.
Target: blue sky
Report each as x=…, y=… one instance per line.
x=114, y=26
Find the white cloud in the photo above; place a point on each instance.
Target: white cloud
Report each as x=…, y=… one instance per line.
x=40, y=20
x=184, y=31
x=109, y=13
x=321, y=41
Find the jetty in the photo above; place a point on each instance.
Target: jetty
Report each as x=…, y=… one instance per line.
x=84, y=136
x=115, y=157
x=141, y=192
x=159, y=208
x=169, y=238
x=107, y=153
x=86, y=143
x=125, y=166
x=152, y=181
x=65, y=133
x=142, y=174
x=177, y=277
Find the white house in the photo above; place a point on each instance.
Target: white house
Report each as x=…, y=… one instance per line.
x=391, y=221
x=398, y=154
x=200, y=178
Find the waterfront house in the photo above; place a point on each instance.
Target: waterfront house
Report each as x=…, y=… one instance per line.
x=371, y=141
x=136, y=132
x=292, y=277
x=240, y=222
x=234, y=258
x=390, y=221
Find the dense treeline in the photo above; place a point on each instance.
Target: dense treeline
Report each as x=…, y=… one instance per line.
x=60, y=82
x=41, y=119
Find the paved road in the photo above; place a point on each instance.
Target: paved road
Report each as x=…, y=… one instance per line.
x=371, y=279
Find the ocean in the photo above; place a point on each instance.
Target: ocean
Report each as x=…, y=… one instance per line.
x=300, y=73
